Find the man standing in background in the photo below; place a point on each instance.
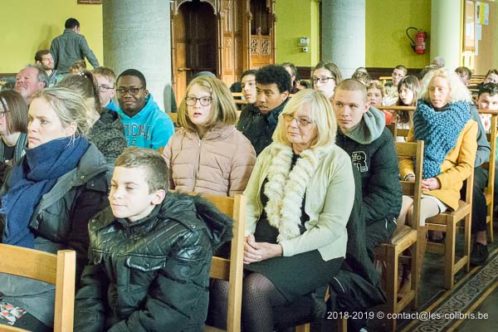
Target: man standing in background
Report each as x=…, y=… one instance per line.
x=70, y=47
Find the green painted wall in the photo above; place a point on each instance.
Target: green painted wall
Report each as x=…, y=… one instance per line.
x=386, y=41
x=297, y=18
x=29, y=25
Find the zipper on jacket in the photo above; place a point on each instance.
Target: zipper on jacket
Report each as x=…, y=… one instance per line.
x=198, y=165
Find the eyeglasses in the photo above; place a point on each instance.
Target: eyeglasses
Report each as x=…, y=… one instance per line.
x=106, y=88
x=322, y=79
x=204, y=101
x=3, y=114
x=133, y=91
x=301, y=121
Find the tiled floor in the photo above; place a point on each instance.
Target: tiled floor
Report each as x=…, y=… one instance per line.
x=432, y=289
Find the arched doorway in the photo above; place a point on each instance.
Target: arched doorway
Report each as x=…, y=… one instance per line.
x=195, y=43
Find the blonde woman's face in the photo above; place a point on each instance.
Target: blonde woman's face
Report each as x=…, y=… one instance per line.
x=300, y=128
x=44, y=125
x=439, y=92
x=198, y=108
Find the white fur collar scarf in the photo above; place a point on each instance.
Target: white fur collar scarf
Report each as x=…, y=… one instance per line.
x=285, y=189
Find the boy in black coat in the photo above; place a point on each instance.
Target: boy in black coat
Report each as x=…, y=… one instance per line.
x=150, y=253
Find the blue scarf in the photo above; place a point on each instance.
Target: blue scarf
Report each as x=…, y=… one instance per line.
x=31, y=179
x=439, y=130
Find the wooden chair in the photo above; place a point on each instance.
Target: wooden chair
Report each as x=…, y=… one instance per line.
x=232, y=269
x=397, y=132
x=405, y=237
x=58, y=270
x=490, y=165
x=448, y=222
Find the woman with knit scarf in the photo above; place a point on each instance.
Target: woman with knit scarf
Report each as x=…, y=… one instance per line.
x=300, y=195
x=443, y=120
x=48, y=199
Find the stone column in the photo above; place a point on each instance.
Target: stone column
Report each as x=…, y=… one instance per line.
x=445, y=34
x=137, y=34
x=343, y=34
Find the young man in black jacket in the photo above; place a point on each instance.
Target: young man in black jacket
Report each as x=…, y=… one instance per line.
x=258, y=121
x=363, y=135
x=150, y=253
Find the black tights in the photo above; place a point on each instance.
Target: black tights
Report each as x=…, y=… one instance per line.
x=259, y=301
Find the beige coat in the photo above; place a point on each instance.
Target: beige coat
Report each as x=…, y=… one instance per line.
x=220, y=163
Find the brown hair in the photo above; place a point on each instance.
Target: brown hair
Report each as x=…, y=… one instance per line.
x=83, y=84
x=156, y=168
x=16, y=111
x=222, y=104
x=332, y=68
x=39, y=54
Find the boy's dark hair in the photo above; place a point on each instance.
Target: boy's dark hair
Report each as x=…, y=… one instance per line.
x=39, y=54
x=274, y=74
x=135, y=73
x=71, y=23
x=491, y=88
x=156, y=168
x=464, y=70
x=248, y=72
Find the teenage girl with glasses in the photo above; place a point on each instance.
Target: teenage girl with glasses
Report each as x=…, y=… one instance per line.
x=208, y=154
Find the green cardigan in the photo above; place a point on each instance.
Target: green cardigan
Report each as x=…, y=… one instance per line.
x=329, y=200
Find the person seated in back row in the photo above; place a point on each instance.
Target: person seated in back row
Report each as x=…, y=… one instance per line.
x=363, y=135
x=145, y=124
x=150, y=253
x=272, y=92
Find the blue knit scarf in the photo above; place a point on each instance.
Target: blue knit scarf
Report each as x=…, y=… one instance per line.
x=31, y=179
x=439, y=130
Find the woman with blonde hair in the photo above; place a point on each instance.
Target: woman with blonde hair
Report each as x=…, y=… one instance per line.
x=299, y=196
x=443, y=120
x=208, y=154
x=50, y=196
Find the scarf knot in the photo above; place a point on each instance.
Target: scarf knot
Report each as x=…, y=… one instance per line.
x=33, y=177
x=439, y=130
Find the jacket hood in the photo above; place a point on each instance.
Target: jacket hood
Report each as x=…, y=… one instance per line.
x=370, y=127
x=188, y=210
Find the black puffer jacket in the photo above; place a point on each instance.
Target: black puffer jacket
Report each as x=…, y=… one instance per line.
x=259, y=127
x=151, y=275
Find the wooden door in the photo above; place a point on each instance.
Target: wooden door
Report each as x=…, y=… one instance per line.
x=194, y=43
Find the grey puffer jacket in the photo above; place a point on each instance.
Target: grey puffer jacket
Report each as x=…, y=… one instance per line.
x=152, y=274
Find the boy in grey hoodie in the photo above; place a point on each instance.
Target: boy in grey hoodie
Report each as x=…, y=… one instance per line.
x=363, y=135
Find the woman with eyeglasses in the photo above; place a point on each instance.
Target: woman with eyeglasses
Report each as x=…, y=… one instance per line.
x=325, y=77
x=107, y=131
x=50, y=196
x=208, y=154
x=299, y=199
x=13, y=127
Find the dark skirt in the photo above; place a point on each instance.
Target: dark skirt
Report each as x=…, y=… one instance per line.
x=297, y=275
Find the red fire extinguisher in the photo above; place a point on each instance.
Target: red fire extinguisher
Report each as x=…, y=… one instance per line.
x=418, y=44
